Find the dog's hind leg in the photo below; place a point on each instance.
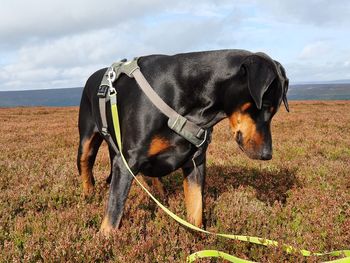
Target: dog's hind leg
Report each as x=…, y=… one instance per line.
x=88, y=148
x=89, y=143
x=194, y=177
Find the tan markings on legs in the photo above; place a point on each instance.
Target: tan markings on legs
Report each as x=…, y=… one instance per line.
x=106, y=226
x=158, y=145
x=86, y=171
x=193, y=202
x=156, y=182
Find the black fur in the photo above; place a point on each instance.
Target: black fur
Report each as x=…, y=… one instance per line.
x=205, y=87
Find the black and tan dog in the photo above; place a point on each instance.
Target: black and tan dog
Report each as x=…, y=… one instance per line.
x=205, y=87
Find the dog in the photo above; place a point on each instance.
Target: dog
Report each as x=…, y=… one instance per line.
x=205, y=87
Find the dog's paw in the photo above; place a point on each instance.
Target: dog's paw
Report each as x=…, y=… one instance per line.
x=88, y=190
x=106, y=227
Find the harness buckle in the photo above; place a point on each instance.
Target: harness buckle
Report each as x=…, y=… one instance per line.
x=204, y=139
x=104, y=131
x=102, y=91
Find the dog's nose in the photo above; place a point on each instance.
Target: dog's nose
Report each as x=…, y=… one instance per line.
x=266, y=154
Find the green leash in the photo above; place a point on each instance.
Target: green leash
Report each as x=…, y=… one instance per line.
x=213, y=253
x=115, y=117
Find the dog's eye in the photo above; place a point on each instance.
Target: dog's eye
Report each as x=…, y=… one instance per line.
x=266, y=105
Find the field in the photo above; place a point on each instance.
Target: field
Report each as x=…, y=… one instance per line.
x=301, y=197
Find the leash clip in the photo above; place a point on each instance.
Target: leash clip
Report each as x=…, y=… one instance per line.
x=111, y=78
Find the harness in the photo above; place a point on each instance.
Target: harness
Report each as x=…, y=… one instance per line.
x=178, y=123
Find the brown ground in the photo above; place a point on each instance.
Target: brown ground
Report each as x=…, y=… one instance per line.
x=301, y=197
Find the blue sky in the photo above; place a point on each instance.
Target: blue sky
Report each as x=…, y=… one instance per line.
x=58, y=44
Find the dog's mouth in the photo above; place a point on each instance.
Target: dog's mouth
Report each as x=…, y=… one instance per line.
x=251, y=151
x=239, y=141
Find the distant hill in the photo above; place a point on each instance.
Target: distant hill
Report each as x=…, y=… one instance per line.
x=338, y=81
x=335, y=91
x=48, y=97
x=71, y=97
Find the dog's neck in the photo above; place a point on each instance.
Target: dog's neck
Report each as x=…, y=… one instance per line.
x=215, y=99
x=205, y=83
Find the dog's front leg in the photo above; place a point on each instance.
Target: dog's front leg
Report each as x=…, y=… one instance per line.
x=119, y=190
x=194, y=178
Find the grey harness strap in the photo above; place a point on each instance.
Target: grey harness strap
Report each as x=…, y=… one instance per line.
x=102, y=99
x=182, y=126
x=104, y=92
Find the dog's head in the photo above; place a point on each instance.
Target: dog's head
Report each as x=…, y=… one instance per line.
x=266, y=86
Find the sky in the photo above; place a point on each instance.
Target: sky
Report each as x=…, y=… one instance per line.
x=59, y=43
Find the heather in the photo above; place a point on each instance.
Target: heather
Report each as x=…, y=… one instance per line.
x=301, y=197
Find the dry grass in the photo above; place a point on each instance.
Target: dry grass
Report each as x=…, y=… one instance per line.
x=301, y=197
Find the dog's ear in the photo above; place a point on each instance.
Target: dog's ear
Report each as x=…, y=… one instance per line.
x=260, y=74
x=284, y=83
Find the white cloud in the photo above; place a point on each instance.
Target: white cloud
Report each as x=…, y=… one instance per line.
x=55, y=44
x=21, y=21
x=319, y=13
x=69, y=59
x=317, y=71
x=320, y=61
x=316, y=50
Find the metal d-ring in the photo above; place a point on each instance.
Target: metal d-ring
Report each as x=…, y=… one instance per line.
x=111, y=75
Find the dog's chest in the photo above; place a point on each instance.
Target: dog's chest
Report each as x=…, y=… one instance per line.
x=166, y=161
